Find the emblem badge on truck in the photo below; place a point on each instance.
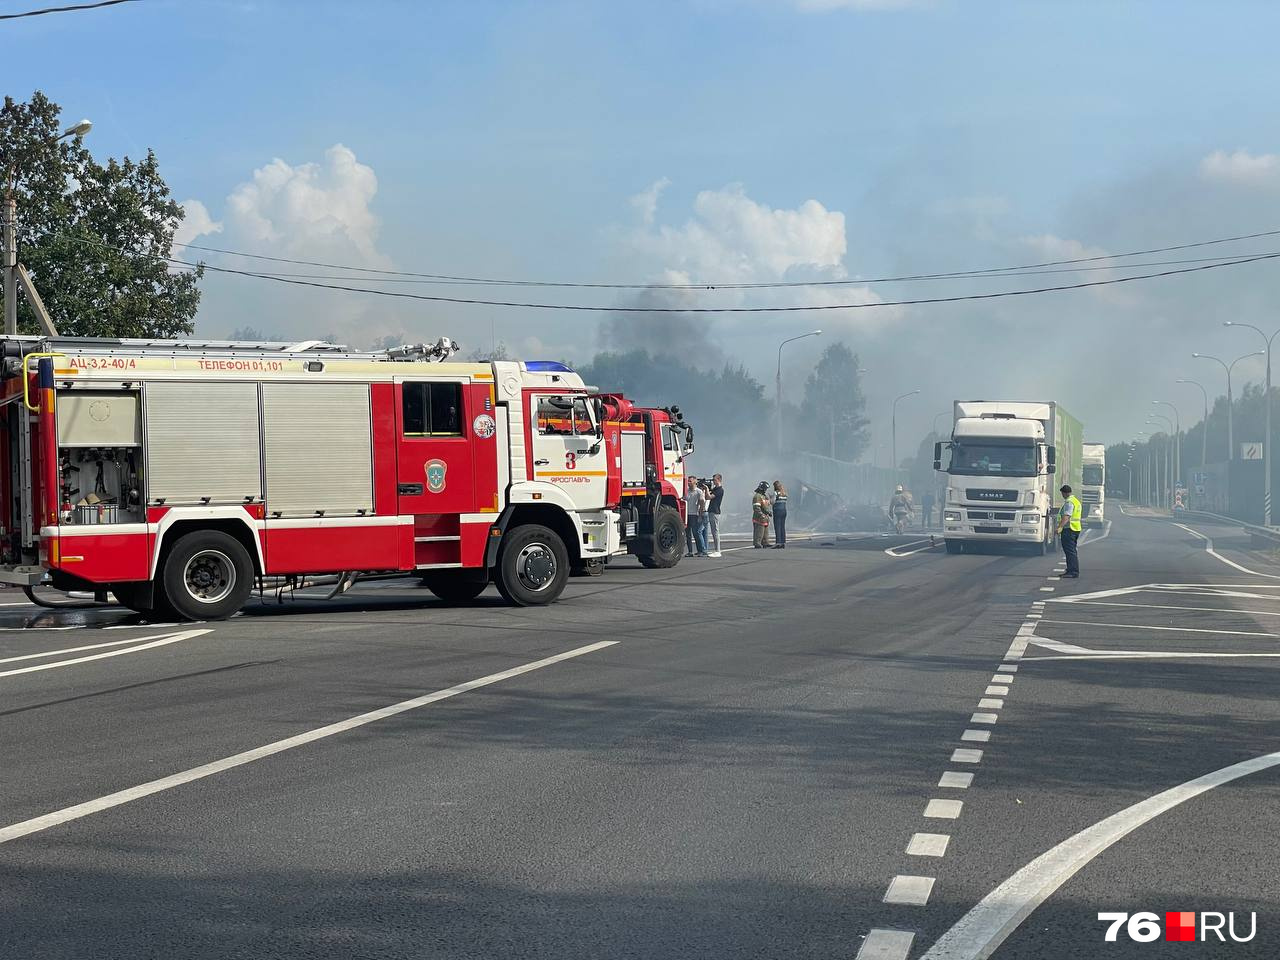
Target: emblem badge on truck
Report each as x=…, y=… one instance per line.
x=483, y=426
x=435, y=475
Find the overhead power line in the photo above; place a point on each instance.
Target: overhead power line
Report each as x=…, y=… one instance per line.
x=434, y=298
x=497, y=281
x=69, y=9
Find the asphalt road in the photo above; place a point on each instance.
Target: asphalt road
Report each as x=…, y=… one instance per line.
x=730, y=759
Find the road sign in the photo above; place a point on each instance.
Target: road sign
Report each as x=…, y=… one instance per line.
x=1251, y=451
x=1199, y=479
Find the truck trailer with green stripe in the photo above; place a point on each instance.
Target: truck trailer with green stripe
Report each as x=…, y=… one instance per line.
x=1007, y=460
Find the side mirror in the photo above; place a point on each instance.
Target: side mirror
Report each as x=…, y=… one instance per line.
x=1051, y=453
x=937, y=456
x=597, y=407
x=1052, y=469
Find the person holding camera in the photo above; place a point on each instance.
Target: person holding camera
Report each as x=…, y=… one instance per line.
x=713, y=515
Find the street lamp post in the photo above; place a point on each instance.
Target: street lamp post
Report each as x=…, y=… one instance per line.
x=1231, y=439
x=1163, y=495
x=777, y=389
x=893, y=430
x=1204, y=427
x=1266, y=446
x=1177, y=441
x=10, y=229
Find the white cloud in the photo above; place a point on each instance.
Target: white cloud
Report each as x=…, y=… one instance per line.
x=646, y=201
x=310, y=211
x=1242, y=167
x=196, y=222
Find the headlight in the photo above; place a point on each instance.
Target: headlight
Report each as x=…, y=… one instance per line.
x=1031, y=518
x=951, y=515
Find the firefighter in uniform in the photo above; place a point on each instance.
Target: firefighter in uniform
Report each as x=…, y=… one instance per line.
x=1069, y=530
x=761, y=511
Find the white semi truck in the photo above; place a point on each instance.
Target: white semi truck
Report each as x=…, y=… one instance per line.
x=1007, y=460
x=1093, y=488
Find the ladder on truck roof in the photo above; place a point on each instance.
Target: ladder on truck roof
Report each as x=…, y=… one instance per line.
x=440, y=350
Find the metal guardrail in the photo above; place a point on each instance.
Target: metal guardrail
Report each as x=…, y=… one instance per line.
x=1271, y=535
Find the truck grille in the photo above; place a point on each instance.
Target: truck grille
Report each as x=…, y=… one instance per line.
x=990, y=530
x=993, y=496
x=1090, y=496
x=989, y=515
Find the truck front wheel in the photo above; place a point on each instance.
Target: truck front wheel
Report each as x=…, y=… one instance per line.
x=207, y=576
x=533, y=566
x=668, y=539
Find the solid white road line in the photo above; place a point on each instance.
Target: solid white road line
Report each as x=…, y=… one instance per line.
x=1175, y=606
x=928, y=845
x=979, y=932
x=976, y=736
x=893, y=551
x=1058, y=646
x=963, y=755
x=1208, y=548
x=35, y=825
x=1143, y=626
x=913, y=891
x=943, y=809
x=886, y=945
x=1157, y=655
x=155, y=642
x=957, y=781
x=54, y=653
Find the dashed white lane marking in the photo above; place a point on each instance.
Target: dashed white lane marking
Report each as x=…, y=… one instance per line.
x=1053, y=578
x=1003, y=678
x=976, y=736
x=154, y=642
x=957, y=781
x=1046, y=589
x=991, y=703
x=963, y=755
x=984, y=718
x=37, y=824
x=913, y=891
x=980, y=931
x=943, y=809
x=1143, y=626
x=1007, y=668
x=928, y=845
x=997, y=691
x=886, y=945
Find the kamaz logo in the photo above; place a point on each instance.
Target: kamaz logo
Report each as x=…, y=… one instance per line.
x=989, y=495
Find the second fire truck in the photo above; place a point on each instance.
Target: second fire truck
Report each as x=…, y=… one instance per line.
x=182, y=475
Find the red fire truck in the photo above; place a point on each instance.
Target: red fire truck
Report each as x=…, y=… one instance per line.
x=183, y=475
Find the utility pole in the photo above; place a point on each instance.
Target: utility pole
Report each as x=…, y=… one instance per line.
x=1266, y=444
x=777, y=387
x=893, y=465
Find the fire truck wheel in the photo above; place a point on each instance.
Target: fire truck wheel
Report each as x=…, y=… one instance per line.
x=668, y=539
x=207, y=576
x=452, y=588
x=533, y=565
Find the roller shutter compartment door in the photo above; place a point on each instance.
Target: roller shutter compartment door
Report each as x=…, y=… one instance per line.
x=203, y=443
x=318, y=449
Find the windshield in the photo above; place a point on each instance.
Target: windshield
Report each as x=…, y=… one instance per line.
x=993, y=460
x=1093, y=476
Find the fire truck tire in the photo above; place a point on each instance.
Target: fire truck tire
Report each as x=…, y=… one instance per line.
x=207, y=576
x=452, y=588
x=668, y=540
x=533, y=566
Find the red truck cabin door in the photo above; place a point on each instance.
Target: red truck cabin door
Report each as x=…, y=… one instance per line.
x=435, y=469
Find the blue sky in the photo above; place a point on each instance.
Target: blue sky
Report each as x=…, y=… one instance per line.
x=510, y=139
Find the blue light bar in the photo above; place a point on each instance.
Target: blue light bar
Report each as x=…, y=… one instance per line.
x=547, y=366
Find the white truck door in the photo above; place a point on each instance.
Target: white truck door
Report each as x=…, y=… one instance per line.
x=566, y=450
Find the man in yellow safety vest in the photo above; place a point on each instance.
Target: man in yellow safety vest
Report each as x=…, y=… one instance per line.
x=1069, y=530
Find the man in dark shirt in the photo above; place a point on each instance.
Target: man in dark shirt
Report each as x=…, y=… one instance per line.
x=713, y=514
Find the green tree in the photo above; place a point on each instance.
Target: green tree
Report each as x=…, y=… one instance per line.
x=93, y=235
x=831, y=414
